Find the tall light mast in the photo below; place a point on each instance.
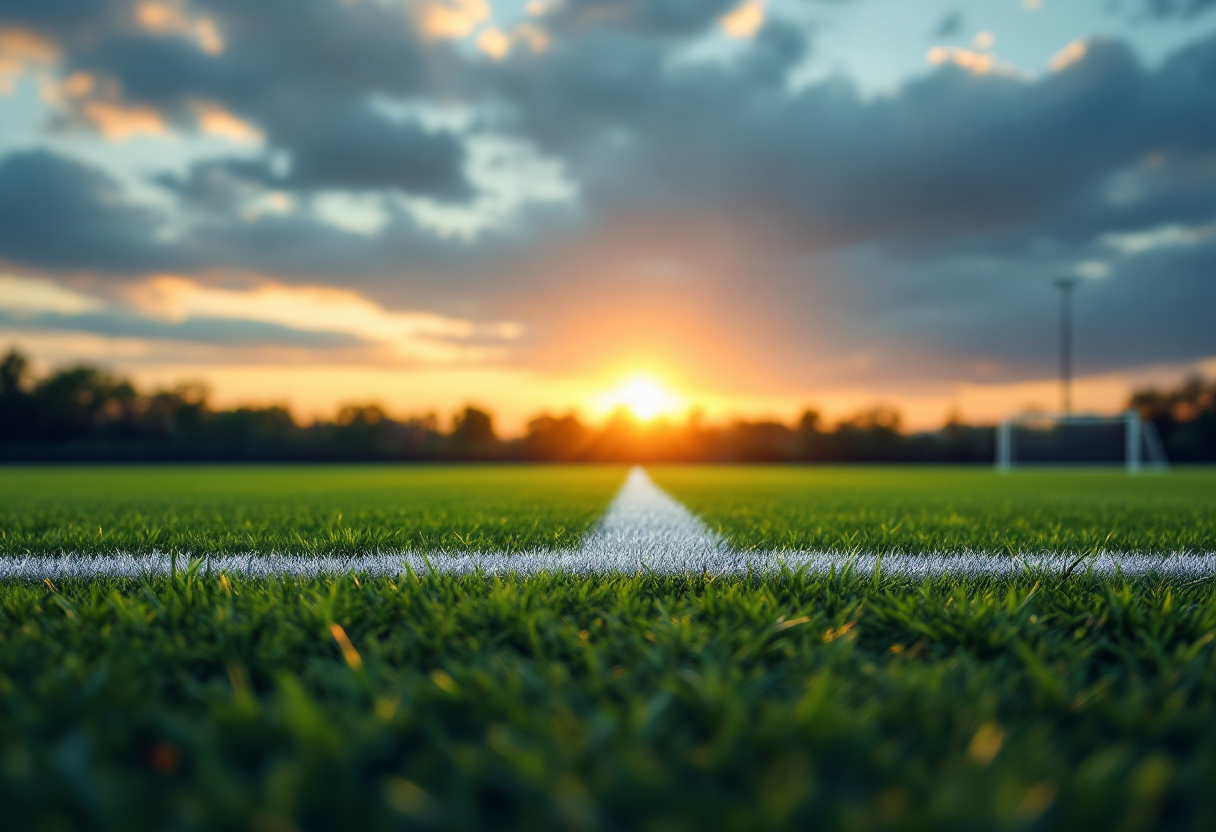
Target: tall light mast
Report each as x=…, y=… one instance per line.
x=1066, y=286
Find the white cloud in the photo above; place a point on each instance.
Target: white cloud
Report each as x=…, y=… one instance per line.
x=508, y=174
x=1166, y=236
x=359, y=214
x=1093, y=269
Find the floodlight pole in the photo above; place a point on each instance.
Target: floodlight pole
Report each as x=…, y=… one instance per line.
x=1066, y=285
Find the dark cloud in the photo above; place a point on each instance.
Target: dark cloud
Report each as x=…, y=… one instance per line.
x=835, y=236
x=353, y=149
x=1178, y=8
x=56, y=213
x=664, y=17
x=356, y=148
x=59, y=214
x=302, y=73
x=949, y=152
x=670, y=18
x=985, y=318
x=67, y=20
x=222, y=331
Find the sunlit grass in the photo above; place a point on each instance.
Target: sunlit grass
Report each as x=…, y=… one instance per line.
x=784, y=701
x=306, y=509
x=915, y=509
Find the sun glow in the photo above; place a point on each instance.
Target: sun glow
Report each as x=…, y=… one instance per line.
x=645, y=398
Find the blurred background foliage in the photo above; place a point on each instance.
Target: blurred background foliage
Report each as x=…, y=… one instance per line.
x=83, y=413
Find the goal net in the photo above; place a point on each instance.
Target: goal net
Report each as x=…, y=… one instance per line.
x=1124, y=440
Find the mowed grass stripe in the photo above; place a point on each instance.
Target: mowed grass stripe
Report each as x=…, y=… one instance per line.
x=910, y=510
x=299, y=510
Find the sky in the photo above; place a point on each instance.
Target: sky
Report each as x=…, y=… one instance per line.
x=750, y=207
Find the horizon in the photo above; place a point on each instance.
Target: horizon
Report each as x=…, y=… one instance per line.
x=89, y=402
x=746, y=208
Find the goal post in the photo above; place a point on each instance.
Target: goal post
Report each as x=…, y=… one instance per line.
x=1123, y=440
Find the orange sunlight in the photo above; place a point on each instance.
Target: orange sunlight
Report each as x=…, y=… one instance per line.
x=645, y=398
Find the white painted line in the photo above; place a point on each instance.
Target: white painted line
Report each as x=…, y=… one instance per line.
x=578, y=562
x=643, y=530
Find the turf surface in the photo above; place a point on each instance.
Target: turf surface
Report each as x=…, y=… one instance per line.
x=914, y=509
x=645, y=703
x=307, y=509
x=786, y=701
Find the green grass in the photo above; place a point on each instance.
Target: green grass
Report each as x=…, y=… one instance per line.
x=788, y=701
x=794, y=702
x=307, y=509
x=950, y=509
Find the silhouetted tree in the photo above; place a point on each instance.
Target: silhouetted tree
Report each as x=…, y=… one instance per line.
x=810, y=437
x=17, y=412
x=177, y=413
x=473, y=429
x=555, y=438
x=83, y=412
x=1185, y=418
x=80, y=402
x=252, y=433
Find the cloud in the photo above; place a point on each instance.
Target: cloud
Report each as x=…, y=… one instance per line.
x=1178, y=8
x=215, y=120
x=56, y=213
x=744, y=20
x=317, y=317
x=1068, y=56
x=286, y=73
x=412, y=335
x=218, y=331
x=452, y=18
x=167, y=18
x=949, y=152
x=70, y=21
x=357, y=148
x=494, y=43
x=668, y=18
x=118, y=123
x=19, y=51
x=945, y=154
x=977, y=63
x=26, y=296
x=830, y=233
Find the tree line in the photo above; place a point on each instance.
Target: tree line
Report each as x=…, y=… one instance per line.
x=82, y=413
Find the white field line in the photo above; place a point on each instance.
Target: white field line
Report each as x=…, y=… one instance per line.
x=643, y=530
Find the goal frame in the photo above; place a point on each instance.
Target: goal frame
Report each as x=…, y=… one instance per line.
x=1139, y=436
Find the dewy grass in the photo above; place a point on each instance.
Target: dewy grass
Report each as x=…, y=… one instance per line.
x=341, y=510
x=557, y=702
x=916, y=510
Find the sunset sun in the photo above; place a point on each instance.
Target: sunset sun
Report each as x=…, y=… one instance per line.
x=646, y=398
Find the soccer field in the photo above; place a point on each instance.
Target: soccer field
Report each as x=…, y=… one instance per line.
x=637, y=698
x=930, y=509
x=341, y=510
x=353, y=511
